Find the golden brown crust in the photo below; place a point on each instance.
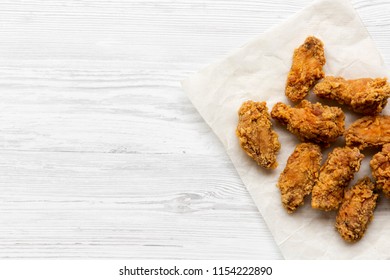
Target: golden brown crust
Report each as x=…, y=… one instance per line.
x=306, y=68
x=380, y=166
x=366, y=96
x=256, y=135
x=369, y=131
x=311, y=122
x=335, y=174
x=356, y=210
x=297, y=179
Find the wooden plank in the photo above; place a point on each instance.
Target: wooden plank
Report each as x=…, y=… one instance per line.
x=61, y=204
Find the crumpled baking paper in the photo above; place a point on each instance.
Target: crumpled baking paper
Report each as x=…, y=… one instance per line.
x=258, y=71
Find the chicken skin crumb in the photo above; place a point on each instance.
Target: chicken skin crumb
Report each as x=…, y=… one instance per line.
x=335, y=174
x=297, y=179
x=356, y=210
x=306, y=68
x=380, y=166
x=311, y=122
x=255, y=133
x=369, y=131
x=366, y=96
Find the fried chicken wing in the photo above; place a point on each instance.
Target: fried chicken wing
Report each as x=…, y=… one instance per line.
x=335, y=174
x=311, y=122
x=356, y=210
x=306, y=68
x=255, y=133
x=297, y=179
x=380, y=166
x=366, y=96
x=369, y=131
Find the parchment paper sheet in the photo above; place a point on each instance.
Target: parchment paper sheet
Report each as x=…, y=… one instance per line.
x=258, y=71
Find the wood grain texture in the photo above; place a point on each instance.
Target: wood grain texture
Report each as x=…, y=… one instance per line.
x=102, y=154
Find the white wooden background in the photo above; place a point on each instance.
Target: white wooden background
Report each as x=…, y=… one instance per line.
x=101, y=153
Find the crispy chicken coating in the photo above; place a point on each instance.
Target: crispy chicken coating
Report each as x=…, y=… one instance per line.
x=380, y=166
x=369, y=131
x=335, y=174
x=255, y=133
x=366, y=96
x=311, y=122
x=306, y=68
x=298, y=177
x=356, y=210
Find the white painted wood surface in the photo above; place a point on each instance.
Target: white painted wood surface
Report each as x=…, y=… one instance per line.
x=102, y=154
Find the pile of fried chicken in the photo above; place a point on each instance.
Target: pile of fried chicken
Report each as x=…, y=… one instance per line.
x=317, y=126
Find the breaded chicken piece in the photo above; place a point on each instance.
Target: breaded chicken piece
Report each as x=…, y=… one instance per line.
x=257, y=138
x=306, y=68
x=366, y=96
x=335, y=174
x=311, y=122
x=369, y=131
x=356, y=210
x=380, y=166
x=298, y=177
